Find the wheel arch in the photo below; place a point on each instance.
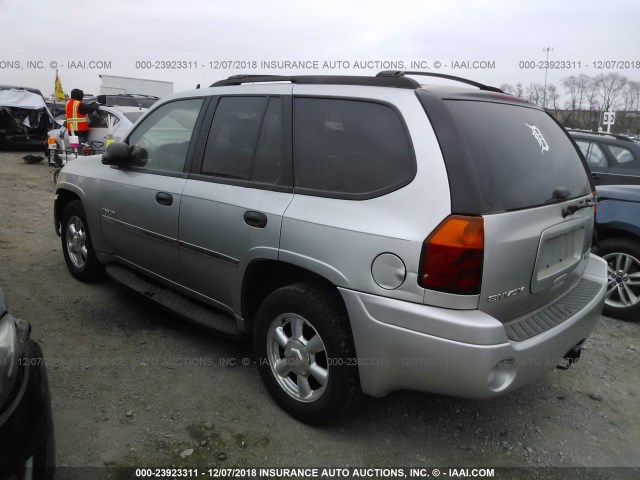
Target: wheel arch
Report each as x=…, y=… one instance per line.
x=607, y=233
x=63, y=198
x=262, y=277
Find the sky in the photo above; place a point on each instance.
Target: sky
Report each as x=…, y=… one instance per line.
x=190, y=42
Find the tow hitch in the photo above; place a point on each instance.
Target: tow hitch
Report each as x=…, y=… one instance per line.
x=571, y=357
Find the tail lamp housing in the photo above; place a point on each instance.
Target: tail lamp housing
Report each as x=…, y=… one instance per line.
x=452, y=256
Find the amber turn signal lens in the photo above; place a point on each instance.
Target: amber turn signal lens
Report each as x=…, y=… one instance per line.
x=452, y=256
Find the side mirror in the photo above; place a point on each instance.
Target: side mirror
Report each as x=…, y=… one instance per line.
x=117, y=153
x=102, y=99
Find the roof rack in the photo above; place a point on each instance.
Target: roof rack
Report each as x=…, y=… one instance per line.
x=401, y=73
x=387, y=78
x=604, y=134
x=385, y=81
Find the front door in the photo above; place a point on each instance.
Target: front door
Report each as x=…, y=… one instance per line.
x=139, y=203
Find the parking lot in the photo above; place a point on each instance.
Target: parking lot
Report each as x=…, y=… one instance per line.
x=132, y=385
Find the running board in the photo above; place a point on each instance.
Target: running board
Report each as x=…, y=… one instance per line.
x=179, y=304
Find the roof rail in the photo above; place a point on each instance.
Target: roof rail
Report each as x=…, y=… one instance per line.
x=401, y=73
x=378, y=81
x=617, y=136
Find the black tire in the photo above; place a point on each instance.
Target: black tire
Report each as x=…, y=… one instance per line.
x=623, y=268
x=55, y=160
x=322, y=315
x=44, y=459
x=76, y=244
x=56, y=174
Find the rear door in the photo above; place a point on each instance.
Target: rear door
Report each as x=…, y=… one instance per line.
x=234, y=199
x=624, y=163
x=513, y=165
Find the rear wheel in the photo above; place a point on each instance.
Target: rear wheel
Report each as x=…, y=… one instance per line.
x=305, y=352
x=76, y=244
x=623, y=270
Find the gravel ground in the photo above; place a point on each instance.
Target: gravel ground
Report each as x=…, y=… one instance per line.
x=134, y=386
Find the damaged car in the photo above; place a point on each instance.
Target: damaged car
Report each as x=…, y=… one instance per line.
x=24, y=118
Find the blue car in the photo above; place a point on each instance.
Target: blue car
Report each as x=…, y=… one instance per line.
x=27, y=448
x=618, y=242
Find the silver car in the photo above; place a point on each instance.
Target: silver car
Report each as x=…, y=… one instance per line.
x=114, y=121
x=370, y=233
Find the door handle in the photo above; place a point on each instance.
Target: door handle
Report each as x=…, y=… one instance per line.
x=164, y=198
x=595, y=175
x=255, y=219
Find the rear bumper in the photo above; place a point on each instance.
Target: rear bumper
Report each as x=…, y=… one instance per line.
x=401, y=345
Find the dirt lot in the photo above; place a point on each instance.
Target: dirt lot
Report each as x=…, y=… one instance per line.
x=134, y=386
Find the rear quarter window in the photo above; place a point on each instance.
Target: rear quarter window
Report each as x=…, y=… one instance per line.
x=350, y=148
x=624, y=157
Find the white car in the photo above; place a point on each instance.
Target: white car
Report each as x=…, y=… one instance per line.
x=116, y=121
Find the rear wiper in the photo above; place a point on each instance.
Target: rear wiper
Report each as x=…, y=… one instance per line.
x=571, y=209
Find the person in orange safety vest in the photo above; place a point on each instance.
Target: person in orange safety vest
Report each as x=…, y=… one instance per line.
x=77, y=115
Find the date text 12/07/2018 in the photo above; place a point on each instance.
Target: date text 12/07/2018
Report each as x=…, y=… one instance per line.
x=578, y=64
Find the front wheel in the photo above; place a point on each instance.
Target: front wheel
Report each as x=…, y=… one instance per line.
x=623, y=271
x=76, y=244
x=305, y=352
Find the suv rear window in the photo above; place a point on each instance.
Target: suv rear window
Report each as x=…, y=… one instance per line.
x=504, y=157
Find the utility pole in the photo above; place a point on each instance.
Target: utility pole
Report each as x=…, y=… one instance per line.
x=546, y=67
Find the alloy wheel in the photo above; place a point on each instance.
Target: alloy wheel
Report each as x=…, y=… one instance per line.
x=76, y=237
x=297, y=357
x=623, y=272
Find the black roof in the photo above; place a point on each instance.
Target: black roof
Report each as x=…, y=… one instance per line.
x=388, y=78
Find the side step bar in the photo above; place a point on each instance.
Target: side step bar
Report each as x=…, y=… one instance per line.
x=179, y=304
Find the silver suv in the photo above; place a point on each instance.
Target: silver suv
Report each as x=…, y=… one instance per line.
x=371, y=233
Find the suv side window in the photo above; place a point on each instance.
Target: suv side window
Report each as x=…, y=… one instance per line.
x=593, y=153
x=245, y=141
x=161, y=141
x=349, y=148
x=624, y=157
x=101, y=119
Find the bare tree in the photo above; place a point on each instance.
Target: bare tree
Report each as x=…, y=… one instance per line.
x=519, y=90
x=506, y=88
x=583, y=85
x=592, y=99
x=574, y=87
x=609, y=87
x=552, y=97
x=535, y=93
x=630, y=95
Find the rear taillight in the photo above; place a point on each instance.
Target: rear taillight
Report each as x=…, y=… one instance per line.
x=452, y=256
